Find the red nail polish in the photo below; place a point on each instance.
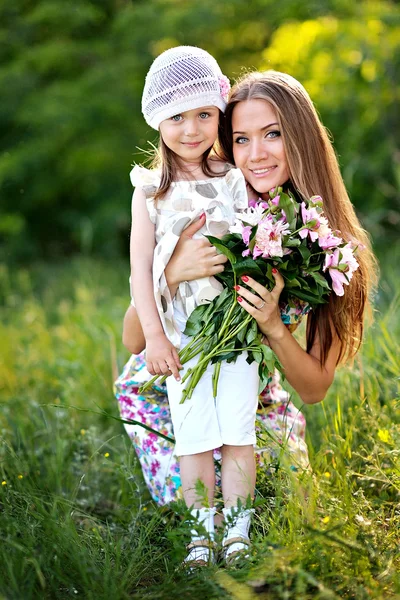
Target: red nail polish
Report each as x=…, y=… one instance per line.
x=202, y=216
x=236, y=287
x=239, y=299
x=274, y=270
x=245, y=278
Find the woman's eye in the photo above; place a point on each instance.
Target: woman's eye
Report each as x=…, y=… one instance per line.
x=204, y=115
x=273, y=134
x=176, y=118
x=240, y=140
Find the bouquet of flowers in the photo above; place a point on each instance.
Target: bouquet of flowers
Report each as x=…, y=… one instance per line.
x=281, y=233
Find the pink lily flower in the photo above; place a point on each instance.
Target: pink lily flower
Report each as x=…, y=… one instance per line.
x=246, y=231
x=269, y=238
x=330, y=241
x=341, y=265
x=310, y=217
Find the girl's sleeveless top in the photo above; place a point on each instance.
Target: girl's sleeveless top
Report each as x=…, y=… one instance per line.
x=219, y=198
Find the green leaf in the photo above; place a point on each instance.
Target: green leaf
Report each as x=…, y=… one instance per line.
x=248, y=266
x=211, y=342
x=242, y=334
x=292, y=282
x=258, y=355
x=194, y=324
x=222, y=247
x=226, y=296
x=304, y=251
x=286, y=204
x=252, y=332
x=224, y=356
x=320, y=280
x=308, y=297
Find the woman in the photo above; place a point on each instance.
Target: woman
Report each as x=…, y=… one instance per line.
x=273, y=134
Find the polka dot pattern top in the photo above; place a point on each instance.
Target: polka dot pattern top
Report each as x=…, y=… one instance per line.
x=219, y=198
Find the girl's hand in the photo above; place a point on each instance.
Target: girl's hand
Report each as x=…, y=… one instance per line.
x=162, y=357
x=193, y=258
x=263, y=305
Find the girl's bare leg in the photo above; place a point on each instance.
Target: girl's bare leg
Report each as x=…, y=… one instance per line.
x=238, y=474
x=195, y=467
x=238, y=483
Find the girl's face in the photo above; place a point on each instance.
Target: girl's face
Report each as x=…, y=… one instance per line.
x=191, y=133
x=258, y=146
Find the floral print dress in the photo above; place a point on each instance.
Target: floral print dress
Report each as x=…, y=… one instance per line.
x=280, y=426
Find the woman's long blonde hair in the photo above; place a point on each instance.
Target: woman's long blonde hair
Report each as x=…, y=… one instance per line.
x=314, y=170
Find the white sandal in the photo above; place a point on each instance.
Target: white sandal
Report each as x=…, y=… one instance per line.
x=234, y=556
x=205, y=554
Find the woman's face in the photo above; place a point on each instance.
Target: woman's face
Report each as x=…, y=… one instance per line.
x=258, y=146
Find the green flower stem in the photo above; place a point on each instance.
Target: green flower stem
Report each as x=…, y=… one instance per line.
x=190, y=372
x=215, y=378
x=214, y=352
x=225, y=322
x=195, y=351
x=196, y=375
x=218, y=350
x=194, y=380
x=195, y=340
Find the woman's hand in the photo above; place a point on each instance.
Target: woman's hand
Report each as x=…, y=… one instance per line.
x=263, y=305
x=193, y=258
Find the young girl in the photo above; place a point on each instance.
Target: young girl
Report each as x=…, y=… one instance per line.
x=184, y=98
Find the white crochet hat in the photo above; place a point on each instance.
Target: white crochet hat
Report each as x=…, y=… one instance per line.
x=181, y=79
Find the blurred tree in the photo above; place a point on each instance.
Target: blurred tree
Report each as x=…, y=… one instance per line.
x=71, y=78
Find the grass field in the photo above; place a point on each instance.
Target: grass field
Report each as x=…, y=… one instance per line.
x=75, y=518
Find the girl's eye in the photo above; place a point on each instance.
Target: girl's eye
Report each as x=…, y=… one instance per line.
x=204, y=115
x=176, y=118
x=240, y=140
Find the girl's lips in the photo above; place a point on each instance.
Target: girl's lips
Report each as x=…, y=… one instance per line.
x=191, y=144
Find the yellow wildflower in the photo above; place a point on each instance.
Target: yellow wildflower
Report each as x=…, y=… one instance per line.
x=4, y=483
x=327, y=474
x=20, y=476
x=107, y=454
x=83, y=431
x=384, y=436
x=326, y=519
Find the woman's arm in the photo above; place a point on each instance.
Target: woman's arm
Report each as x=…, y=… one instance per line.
x=302, y=370
x=192, y=259
x=132, y=332
x=161, y=355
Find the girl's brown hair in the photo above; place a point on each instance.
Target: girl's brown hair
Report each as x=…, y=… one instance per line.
x=314, y=170
x=166, y=161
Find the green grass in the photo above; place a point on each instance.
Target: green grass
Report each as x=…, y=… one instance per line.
x=75, y=518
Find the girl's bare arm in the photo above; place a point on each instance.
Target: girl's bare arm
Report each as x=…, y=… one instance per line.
x=161, y=355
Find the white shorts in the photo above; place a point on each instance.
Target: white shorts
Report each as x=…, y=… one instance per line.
x=203, y=422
